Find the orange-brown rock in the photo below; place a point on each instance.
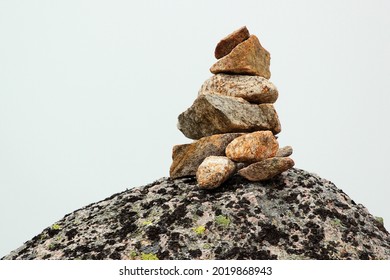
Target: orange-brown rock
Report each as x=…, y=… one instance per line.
x=215, y=114
x=187, y=157
x=228, y=43
x=253, y=147
x=266, y=169
x=247, y=58
x=213, y=171
x=254, y=89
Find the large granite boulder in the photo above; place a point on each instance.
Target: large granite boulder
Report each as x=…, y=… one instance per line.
x=296, y=215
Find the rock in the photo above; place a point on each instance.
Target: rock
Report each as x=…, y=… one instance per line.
x=284, y=152
x=241, y=165
x=297, y=215
x=266, y=169
x=186, y=158
x=380, y=220
x=254, y=89
x=214, y=114
x=248, y=58
x=228, y=43
x=213, y=171
x=253, y=147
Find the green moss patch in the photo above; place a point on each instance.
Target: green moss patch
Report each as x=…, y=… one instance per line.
x=149, y=256
x=199, y=230
x=222, y=220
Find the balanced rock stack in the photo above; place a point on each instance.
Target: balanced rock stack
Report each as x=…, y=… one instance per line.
x=233, y=120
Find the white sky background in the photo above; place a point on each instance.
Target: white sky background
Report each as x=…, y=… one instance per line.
x=90, y=92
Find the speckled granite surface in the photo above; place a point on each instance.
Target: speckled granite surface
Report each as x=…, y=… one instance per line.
x=297, y=215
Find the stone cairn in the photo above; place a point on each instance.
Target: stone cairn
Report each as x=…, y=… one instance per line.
x=233, y=120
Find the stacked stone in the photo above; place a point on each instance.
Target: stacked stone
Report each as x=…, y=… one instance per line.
x=233, y=120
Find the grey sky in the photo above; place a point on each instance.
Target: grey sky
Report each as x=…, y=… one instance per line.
x=90, y=92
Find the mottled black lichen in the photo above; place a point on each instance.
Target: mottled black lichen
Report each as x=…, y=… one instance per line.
x=288, y=217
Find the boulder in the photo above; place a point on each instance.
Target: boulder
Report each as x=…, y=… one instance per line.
x=247, y=58
x=254, y=89
x=215, y=114
x=228, y=43
x=266, y=169
x=253, y=147
x=284, y=152
x=187, y=157
x=213, y=171
x=295, y=216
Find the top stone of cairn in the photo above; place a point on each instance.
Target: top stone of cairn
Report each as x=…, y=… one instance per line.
x=227, y=44
x=247, y=57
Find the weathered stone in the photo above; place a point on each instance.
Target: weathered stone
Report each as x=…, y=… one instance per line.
x=253, y=147
x=241, y=165
x=171, y=219
x=213, y=171
x=248, y=58
x=254, y=89
x=228, y=43
x=284, y=152
x=214, y=114
x=266, y=169
x=187, y=157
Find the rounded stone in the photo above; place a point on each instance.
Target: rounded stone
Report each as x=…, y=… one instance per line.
x=252, y=147
x=254, y=89
x=213, y=171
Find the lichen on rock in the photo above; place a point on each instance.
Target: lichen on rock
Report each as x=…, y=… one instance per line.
x=295, y=215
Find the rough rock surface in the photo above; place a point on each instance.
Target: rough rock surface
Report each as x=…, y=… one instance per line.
x=254, y=89
x=253, y=147
x=247, y=58
x=213, y=171
x=214, y=114
x=228, y=43
x=266, y=169
x=284, y=151
x=297, y=215
x=187, y=157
